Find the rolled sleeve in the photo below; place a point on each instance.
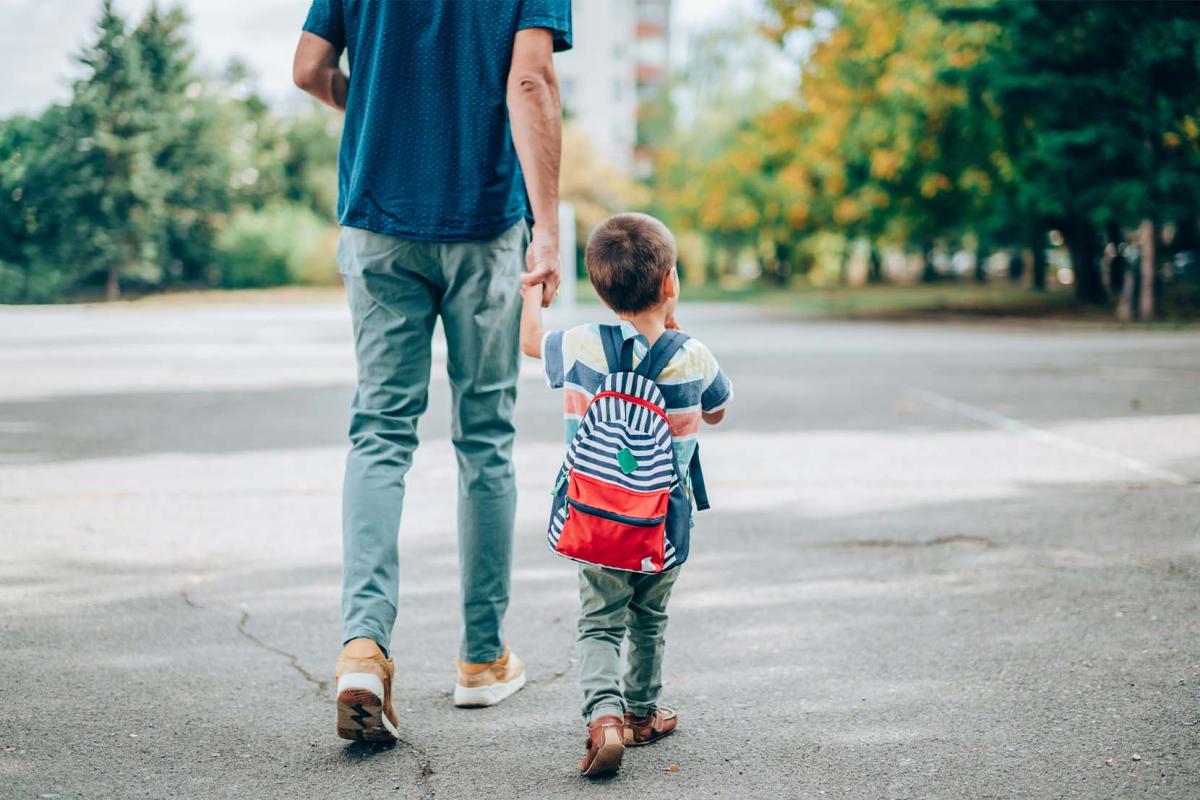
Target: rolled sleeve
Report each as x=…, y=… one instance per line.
x=554, y=15
x=325, y=19
x=718, y=391
x=552, y=359
x=717, y=394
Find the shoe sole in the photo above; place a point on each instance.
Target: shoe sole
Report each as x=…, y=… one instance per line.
x=360, y=715
x=484, y=696
x=607, y=761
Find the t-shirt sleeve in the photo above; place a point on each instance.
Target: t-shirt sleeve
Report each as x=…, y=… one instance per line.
x=552, y=14
x=718, y=390
x=553, y=359
x=325, y=19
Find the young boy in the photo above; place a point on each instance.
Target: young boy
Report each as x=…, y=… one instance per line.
x=631, y=263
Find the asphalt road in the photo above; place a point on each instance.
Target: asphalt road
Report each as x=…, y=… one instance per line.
x=944, y=561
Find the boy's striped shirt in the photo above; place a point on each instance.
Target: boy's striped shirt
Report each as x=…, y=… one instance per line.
x=691, y=382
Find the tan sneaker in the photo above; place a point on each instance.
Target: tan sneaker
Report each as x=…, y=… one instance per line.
x=482, y=685
x=364, y=693
x=605, y=747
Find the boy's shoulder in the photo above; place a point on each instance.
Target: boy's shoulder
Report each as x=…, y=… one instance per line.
x=583, y=343
x=693, y=361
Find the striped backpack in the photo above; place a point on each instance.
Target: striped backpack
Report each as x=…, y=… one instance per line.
x=619, y=500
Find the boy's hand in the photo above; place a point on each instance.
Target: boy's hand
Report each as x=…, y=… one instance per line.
x=532, y=293
x=532, y=298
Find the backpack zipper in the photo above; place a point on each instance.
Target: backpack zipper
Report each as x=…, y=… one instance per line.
x=614, y=517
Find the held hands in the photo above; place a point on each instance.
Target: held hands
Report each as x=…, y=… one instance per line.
x=532, y=293
x=542, y=265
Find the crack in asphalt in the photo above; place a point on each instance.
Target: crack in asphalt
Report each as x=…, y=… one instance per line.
x=424, y=761
x=424, y=764
x=321, y=686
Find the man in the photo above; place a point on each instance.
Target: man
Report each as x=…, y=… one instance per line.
x=435, y=185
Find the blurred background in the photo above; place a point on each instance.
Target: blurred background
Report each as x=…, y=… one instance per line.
x=850, y=156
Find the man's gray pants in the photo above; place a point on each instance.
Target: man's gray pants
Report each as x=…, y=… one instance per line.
x=397, y=289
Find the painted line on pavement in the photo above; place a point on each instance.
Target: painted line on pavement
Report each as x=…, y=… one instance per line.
x=1044, y=437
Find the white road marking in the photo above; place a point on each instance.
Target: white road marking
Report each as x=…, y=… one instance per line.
x=1045, y=437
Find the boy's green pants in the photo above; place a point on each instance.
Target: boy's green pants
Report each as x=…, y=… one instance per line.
x=397, y=289
x=616, y=603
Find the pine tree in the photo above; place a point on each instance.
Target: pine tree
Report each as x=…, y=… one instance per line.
x=116, y=193
x=188, y=147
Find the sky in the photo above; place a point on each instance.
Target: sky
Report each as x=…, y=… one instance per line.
x=38, y=38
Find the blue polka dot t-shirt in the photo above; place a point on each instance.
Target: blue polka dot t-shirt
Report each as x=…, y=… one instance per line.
x=426, y=150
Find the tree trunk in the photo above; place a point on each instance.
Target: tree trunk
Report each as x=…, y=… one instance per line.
x=1037, y=272
x=712, y=267
x=1125, y=298
x=981, y=257
x=1147, y=234
x=782, y=269
x=1121, y=280
x=1084, y=247
x=112, y=289
x=1016, y=265
x=928, y=271
x=875, y=266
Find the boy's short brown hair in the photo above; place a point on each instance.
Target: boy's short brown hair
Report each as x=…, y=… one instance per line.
x=627, y=257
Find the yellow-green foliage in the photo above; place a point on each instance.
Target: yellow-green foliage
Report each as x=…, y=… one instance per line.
x=277, y=245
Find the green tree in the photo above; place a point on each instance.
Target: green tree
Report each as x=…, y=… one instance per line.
x=116, y=192
x=1098, y=103
x=894, y=150
x=187, y=145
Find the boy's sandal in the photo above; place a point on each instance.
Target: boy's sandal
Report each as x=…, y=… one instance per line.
x=650, y=728
x=605, y=747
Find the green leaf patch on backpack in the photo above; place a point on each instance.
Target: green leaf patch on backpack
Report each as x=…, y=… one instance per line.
x=626, y=460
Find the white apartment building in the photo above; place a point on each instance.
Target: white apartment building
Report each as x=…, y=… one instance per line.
x=620, y=57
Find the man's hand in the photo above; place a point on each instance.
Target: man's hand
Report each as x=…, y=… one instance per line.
x=542, y=264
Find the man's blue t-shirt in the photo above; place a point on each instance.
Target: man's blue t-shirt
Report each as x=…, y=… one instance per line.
x=426, y=150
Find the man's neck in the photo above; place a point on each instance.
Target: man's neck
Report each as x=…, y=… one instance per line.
x=650, y=323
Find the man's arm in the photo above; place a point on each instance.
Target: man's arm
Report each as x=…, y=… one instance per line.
x=535, y=116
x=531, y=320
x=316, y=71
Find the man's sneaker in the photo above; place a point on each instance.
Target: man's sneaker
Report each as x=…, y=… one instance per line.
x=605, y=747
x=364, y=693
x=650, y=728
x=482, y=685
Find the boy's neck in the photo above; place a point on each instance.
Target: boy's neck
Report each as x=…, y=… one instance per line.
x=649, y=323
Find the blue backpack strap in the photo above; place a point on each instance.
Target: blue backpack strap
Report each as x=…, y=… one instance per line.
x=618, y=351
x=664, y=349
x=696, y=476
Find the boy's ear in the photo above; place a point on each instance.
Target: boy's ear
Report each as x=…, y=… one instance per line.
x=669, y=284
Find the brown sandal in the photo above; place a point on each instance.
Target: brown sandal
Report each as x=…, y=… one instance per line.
x=605, y=747
x=650, y=728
